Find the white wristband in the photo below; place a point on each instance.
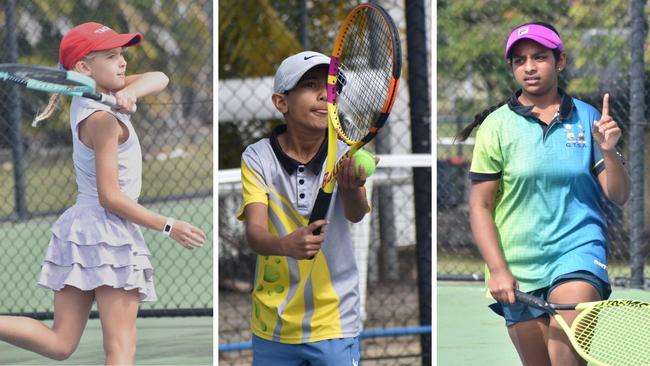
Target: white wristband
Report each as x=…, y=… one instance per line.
x=169, y=224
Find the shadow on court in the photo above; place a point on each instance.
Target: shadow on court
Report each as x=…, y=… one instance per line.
x=469, y=333
x=161, y=341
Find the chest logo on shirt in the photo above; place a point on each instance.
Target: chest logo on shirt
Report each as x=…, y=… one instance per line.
x=575, y=135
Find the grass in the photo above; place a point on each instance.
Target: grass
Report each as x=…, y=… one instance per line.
x=183, y=278
x=50, y=181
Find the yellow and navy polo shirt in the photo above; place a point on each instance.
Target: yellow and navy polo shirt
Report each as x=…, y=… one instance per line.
x=299, y=301
x=548, y=207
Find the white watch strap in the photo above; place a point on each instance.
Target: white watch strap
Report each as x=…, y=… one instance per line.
x=169, y=225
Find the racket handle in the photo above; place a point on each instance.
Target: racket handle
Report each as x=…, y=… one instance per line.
x=111, y=101
x=319, y=211
x=531, y=300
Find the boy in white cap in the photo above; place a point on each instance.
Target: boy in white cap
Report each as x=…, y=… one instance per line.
x=304, y=311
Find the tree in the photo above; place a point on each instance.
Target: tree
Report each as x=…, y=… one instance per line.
x=254, y=37
x=472, y=72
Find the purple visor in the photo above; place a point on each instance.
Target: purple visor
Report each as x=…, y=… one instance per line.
x=537, y=33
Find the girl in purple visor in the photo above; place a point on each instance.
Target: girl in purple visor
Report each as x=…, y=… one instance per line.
x=542, y=162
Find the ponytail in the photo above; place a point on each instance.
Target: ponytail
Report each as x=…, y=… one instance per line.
x=49, y=109
x=478, y=119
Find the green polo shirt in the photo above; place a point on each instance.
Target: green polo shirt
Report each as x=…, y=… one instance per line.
x=548, y=212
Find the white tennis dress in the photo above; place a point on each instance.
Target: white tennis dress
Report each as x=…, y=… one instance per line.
x=90, y=246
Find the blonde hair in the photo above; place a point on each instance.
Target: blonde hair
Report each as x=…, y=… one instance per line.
x=49, y=109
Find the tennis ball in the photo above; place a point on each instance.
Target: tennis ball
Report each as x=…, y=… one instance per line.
x=362, y=157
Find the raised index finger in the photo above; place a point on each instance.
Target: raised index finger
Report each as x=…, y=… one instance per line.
x=605, y=105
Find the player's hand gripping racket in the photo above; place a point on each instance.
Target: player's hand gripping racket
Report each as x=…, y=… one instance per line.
x=610, y=332
x=51, y=80
x=362, y=85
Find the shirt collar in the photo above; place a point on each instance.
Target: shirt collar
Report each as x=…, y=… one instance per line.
x=290, y=164
x=566, y=105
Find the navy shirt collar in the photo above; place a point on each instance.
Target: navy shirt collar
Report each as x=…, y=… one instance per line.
x=290, y=164
x=566, y=105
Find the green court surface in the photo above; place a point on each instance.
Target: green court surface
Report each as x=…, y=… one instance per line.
x=161, y=341
x=469, y=333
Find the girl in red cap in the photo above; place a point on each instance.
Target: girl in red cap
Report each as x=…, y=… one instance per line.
x=542, y=162
x=97, y=252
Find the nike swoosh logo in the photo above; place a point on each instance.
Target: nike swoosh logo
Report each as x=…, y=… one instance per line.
x=308, y=57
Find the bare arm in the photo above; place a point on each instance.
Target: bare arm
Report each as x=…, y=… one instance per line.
x=482, y=204
x=102, y=132
x=299, y=244
x=614, y=180
x=138, y=86
x=147, y=83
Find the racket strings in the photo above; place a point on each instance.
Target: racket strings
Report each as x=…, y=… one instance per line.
x=615, y=334
x=42, y=80
x=367, y=61
x=54, y=77
x=15, y=79
x=29, y=74
x=28, y=81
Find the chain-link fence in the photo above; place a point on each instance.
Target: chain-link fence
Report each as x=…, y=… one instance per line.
x=37, y=179
x=254, y=37
x=473, y=75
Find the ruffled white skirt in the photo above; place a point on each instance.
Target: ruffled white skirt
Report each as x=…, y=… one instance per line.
x=92, y=247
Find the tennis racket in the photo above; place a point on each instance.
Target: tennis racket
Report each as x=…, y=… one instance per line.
x=51, y=80
x=605, y=333
x=362, y=83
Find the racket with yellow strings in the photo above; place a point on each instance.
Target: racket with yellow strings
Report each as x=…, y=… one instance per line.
x=605, y=333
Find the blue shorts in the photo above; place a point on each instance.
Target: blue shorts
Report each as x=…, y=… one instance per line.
x=330, y=352
x=518, y=312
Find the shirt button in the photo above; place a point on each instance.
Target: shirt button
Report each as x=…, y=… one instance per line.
x=301, y=169
x=302, y=195
x=302, y=181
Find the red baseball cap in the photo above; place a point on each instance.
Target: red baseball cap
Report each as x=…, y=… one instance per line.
x=89, y=37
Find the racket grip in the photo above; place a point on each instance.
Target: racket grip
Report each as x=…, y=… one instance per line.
x=530, y=299
x=319, y=211
x=111, y=101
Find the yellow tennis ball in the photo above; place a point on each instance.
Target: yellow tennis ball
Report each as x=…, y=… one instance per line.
x=362, y=157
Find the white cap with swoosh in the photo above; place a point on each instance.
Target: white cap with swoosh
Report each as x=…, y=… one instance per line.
x=294, y=67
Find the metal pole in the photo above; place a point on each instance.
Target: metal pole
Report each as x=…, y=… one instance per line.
x=389, y=253
x=14, y=110
x=304, y=21
x=637, y=135
x=420, y=108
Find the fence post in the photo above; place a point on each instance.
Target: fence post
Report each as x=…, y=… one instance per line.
x=637, y=136
x=416, y=31
x=14, y=110
x=388, y=252
x=304, y=30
